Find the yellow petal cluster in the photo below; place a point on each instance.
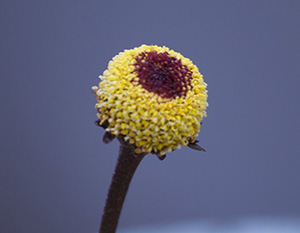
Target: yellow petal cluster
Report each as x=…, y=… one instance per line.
x=145, y=119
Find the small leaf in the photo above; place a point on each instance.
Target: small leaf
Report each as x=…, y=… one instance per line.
x=161, y=157
x=108, y=137
x=195, y=146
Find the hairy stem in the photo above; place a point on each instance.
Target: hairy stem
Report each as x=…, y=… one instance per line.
x=124, y=170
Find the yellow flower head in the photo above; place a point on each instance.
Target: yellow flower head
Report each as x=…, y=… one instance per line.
x=152, y=97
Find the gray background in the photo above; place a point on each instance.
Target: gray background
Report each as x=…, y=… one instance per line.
x=54, y=168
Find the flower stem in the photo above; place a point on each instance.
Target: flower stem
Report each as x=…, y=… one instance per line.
x=124, y=170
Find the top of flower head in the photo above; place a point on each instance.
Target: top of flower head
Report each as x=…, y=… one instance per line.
x=152, y=97
x=161, y=74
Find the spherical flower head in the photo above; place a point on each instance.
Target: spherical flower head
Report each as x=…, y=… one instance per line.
x=153, y=98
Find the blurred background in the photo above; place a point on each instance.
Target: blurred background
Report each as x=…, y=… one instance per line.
x=54, y=169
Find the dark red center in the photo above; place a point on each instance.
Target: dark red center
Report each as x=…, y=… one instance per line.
x=162, y=74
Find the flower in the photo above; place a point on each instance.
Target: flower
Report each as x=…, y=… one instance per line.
x=153, y=98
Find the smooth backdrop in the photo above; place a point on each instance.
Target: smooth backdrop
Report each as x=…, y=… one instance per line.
x=54, y=169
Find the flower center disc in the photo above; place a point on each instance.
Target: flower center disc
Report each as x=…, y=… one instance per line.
x=161, y=74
